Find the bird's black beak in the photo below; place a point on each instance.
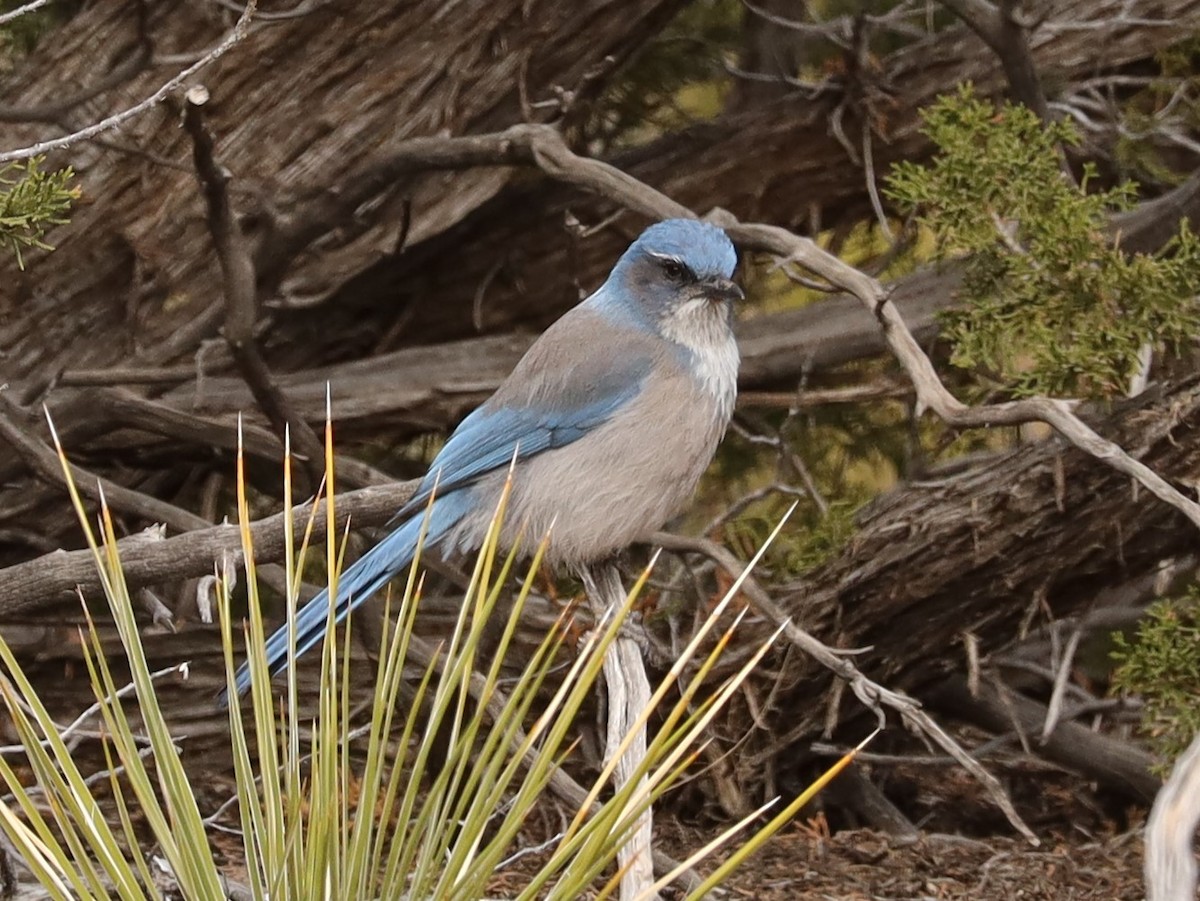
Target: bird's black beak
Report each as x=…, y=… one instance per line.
x=721, y=289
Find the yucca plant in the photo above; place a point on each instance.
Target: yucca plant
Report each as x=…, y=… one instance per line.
x=331, y=808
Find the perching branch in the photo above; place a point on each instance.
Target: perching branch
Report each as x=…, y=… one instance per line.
x=53, y=578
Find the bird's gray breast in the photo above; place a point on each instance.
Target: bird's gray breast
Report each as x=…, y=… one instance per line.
x=624, y=479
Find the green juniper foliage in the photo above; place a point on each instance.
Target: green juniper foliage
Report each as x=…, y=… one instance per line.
x=1052, y=305
x=1162, y=665
x=31, y=202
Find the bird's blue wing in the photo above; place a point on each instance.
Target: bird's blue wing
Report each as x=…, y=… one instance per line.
x=490, y=439
x=495, y=433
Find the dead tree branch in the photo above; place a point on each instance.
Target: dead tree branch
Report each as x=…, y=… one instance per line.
x=241, y=292
x=1002, y=27
x=1171, y=830
x=53, y=578
x=45, y=463
x=1117, y=764
x=871, y=694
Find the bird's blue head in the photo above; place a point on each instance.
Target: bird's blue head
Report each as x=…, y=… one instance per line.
x=677, y=269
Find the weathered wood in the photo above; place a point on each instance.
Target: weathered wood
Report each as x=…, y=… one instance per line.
x=299, y=104
x=132, y=280
x=1037, y=533
x=134, y=267
x=406, y=392
x=42, y=583
x=432, y=386
x=1043, y=528
x=304, y=102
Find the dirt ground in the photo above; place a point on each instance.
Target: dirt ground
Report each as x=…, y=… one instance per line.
x=1087, y=853
x=860, y=865
x=804, y=862
x=1091, y=847
x=1082, y=857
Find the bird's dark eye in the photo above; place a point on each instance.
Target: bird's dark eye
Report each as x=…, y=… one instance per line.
x=674, y=270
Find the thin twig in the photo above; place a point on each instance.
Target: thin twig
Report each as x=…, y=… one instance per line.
x=872, y=184
x=116, y=120
x=811, y=398
x=1061, y=677
x=76, y=725
x=7, y=17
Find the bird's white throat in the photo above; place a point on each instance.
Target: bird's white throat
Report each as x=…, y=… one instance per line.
x=702, y=327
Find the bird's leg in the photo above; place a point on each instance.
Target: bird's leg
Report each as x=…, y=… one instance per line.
x=628, y=696
x=634, y=627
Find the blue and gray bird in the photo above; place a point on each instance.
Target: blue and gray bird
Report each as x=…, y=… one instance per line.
x=612, y=416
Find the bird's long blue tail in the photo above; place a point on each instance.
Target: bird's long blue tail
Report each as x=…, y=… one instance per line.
x=360, y=581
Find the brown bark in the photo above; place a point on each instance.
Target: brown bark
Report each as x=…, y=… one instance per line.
x=299, y=104
x=1040, y=532
x=1042, y=529
x=930, y=561
x=299, y=109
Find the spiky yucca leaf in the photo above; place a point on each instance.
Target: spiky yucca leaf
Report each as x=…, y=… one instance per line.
x=418, y=827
